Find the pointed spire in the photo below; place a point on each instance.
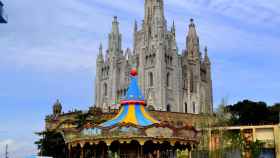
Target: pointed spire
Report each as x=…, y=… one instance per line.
x=115, y=25
x=100, y=54
x=154, y=9
x=115, y=37
x=192, y=41
x=100, y=49
x=192, y=31
x=206, y=58
x=173, y=29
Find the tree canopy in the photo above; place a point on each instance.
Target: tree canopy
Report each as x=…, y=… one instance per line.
x=248, y=112
x=51, y=144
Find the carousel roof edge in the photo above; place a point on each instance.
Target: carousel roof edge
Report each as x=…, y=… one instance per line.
x=157, y=125
x=125, y=139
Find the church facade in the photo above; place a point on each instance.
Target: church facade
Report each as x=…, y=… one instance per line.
x=169, y=81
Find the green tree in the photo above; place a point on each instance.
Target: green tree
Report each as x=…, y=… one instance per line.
x=275, y=113
x=81, y=119
x=51, y=144
x=249, y=113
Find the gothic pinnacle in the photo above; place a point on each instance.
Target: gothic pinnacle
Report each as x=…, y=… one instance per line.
x=115, y=38
x=173, y=28
x=115, y=25
x=100, y=48
x=206, y=58
x=191, y=25
x=135, y=26
x=100, y=54
x=192, y=42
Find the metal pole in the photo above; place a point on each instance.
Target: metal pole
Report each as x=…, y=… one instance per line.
x=6, y=151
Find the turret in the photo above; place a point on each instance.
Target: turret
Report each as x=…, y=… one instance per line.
x=100, y=58
x=206, y=58
x=209, y=96
x=115, y=38
x=192, y=42
x=173, y=29
x=57, y=108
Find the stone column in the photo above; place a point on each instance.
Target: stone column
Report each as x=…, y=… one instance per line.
x=254, y=134
x=158, y=153
x=277, y=140
x=82, y=152
x=69, y=151
x=190, y=152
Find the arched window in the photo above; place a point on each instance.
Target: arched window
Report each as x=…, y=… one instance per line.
x=151, y=79
x=168, y=79
x=168, y=108
x=186, y=108
x=194, y=107
x=105, y=89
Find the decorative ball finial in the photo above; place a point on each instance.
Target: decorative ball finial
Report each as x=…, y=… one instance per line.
x=133, y=72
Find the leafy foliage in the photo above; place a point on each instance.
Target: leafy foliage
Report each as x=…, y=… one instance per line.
x=256, y=148
x=253, y=113
x=51, y=144
x=81, y=119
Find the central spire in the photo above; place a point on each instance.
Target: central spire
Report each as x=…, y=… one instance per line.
x=115, y=38
x=154, y=10
x=192, y=41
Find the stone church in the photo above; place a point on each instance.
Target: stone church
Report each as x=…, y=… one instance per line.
x=170, y=81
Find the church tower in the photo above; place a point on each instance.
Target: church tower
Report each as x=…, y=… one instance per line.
x=196, y=79
x=112, y=71
x=169, y=81
x=158, y=60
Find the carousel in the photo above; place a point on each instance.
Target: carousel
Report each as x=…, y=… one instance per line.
x=132, y=133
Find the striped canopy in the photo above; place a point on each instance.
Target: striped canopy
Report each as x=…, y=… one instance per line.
x=133, y=109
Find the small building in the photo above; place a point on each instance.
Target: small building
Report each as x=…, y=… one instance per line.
x=268, y=135
x=3, y=16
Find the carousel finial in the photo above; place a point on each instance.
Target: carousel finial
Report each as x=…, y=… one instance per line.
x=133, y=72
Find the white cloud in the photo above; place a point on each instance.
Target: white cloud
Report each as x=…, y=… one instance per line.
x=17, y=148
x=52, y=34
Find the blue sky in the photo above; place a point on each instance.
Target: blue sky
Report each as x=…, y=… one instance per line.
x=48, y=51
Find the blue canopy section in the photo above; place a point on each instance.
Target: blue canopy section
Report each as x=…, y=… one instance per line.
x=134, y=93
x=132, y=110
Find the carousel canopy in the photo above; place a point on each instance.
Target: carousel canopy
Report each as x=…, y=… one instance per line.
x=132, y=109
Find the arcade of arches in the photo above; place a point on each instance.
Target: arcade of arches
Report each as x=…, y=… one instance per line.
x=130, y=149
